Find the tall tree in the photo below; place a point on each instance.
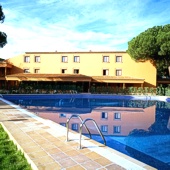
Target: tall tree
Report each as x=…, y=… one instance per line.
x=3, y=36
x=154, y=45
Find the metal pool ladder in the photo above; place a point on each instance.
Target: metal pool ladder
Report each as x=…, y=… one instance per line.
x=81, y=125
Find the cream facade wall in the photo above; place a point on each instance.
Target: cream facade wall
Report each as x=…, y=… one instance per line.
x=90, y=64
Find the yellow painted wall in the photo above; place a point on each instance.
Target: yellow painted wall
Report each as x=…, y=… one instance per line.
x=91, y=64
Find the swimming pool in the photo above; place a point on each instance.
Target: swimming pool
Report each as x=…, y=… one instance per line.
x=138, y=126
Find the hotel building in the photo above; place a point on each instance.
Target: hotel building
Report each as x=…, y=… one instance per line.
x=85, y=69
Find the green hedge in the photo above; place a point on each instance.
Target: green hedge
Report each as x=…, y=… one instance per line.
x=128, y=90
x=161, y=90
x=10, y=157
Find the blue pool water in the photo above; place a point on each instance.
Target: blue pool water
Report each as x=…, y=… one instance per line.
x=138, y=126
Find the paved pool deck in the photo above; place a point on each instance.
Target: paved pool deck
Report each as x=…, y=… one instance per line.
x=44, y=144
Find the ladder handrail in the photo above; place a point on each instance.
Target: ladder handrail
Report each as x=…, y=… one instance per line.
x=67, y=125
x=83, y=123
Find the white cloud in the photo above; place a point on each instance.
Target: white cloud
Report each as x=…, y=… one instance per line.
x=64, y=25
x=47, y=1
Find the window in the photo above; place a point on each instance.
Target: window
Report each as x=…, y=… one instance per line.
x=105, y=72
x=37, y=59
x=117, y=115
x=36, y=70
x=118, y=59
x=76, y=71
x=118, y=72
x=27, y=59
x=63, y=71
x=63, y=124
x=64, y=59
x=104, y=115
x=116, y=129
x=26, y=70
x=62, y=115
x=106, y=59
x=74, y=126
x=104, y=128
x=76, y=59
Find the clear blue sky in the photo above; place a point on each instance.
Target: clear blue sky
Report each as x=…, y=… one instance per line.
x=77, y=25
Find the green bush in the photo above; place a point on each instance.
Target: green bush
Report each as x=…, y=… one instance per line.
x=10, y=157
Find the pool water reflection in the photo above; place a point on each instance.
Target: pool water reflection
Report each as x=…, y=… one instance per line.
x=138, y=128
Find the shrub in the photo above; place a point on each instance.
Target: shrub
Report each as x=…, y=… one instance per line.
x=10, y=157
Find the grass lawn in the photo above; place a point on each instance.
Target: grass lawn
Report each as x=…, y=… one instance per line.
x=10, y=157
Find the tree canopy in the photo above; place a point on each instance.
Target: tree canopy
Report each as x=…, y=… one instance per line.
x=3, y=36
x=152, y=44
